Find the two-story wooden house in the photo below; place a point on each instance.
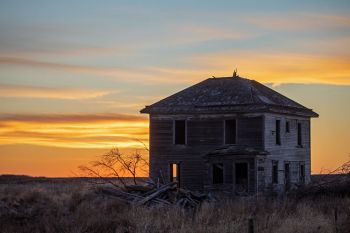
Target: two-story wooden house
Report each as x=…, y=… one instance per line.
x=230, y=133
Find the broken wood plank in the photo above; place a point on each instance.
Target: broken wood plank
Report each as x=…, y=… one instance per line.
x=155, y=194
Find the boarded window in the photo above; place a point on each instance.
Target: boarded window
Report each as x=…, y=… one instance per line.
x=230, y=131
x=278, y=132
x=174, y=172
x=302, y=173
x=299, y=135
x=275, y=172
x=287, y=127
x=180, y=132
x=218, y=173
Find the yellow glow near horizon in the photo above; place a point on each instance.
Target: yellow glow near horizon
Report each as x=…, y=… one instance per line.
x=92, y=134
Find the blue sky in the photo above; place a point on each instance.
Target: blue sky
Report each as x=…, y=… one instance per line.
x=114, y=57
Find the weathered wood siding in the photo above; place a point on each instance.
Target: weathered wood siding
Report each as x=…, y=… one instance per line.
x=204, y=133
x=289, y=150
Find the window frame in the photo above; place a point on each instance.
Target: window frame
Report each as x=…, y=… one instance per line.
x=178, y=172
x=299, y=135
x=174, y=132
x=278, y=140
x=287, y=175
x=274, y=172
x=287, y=126
x=235, y=139
x=302, y=173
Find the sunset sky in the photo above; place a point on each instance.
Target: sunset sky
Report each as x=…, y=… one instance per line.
x=74, y=74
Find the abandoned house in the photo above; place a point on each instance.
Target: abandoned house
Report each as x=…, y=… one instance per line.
x=230, y=133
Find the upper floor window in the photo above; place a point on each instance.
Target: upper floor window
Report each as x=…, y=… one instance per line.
x=230, y=131
x=299, y=135
x=180, y=132
x=278, y=132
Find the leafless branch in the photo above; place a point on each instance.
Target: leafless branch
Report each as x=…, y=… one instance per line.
x=115, y=164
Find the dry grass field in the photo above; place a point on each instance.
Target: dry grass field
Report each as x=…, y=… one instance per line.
x=72, y=205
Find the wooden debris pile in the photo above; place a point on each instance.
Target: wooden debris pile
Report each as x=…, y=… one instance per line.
x=150, y=195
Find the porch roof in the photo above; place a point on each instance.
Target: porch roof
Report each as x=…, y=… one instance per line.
x=235, y=150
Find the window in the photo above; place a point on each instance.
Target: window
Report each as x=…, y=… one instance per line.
x=302, y=173
x=275, y=172
x=287, y=127
x=218, y=173
x=174, y=172
x=287, y=176
x=230, y=131
x=278, y=132
x=299, y=135
x=180, y=132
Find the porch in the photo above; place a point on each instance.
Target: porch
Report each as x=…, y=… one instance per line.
x=238, y=170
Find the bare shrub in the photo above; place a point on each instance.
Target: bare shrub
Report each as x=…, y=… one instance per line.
x=118, y=166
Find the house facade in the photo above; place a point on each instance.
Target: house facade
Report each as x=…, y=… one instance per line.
x=231, y=134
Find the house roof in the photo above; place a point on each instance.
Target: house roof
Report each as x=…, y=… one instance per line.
x=230, y=93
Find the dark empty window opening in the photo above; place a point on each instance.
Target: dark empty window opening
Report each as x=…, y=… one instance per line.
x=299, y=135
x=302, y=173
x=241, y=177
x=275, y=172
x=230, y=131
x=287, y=176
x=174, y=172
x=218, y=173
x=180, y=132
x=287, y=127
x=278, y=132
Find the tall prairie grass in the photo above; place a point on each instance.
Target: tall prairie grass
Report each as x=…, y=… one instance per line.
x=65, y=207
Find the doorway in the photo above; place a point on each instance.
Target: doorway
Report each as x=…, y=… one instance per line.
x=218, y=173
x=241, y=177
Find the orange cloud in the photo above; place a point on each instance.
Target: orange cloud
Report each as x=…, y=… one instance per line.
x=279, y=68
x=74, y=131
x=8, y=90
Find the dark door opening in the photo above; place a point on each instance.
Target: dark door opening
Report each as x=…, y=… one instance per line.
x=218, y=173
x=241, y=177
